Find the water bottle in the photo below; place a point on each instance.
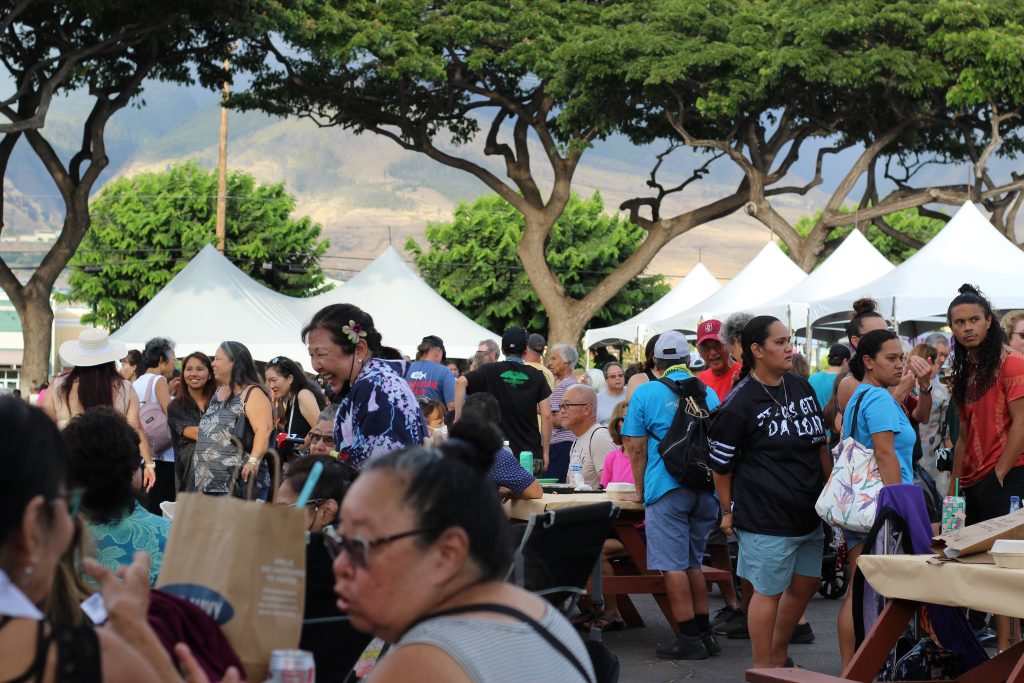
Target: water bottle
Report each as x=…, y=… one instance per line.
x=525, y=459
x=1014, y=504
x=576, y=474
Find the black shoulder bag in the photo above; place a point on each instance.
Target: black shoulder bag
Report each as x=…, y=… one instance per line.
x=684, y=448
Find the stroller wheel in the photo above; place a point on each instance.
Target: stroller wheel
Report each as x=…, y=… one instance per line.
x=833, y=588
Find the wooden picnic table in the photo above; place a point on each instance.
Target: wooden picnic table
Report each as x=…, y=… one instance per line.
x=631, y=577
x=909, y=581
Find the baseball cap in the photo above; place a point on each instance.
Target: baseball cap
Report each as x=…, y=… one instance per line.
x=436, y=342
x=672, y=345
x=513, y=341
x=708, y=329
x=838, y=353
x=536, y=342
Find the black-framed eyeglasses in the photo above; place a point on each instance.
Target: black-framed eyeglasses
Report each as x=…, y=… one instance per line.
x=571, y=405
x=317, y=436
x=73, y=498
x=358, y=549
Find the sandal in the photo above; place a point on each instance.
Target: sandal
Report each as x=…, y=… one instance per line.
x=583, y=618
x=606, y=622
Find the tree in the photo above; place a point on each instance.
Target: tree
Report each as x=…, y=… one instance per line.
x=106, y=48
x=147, y=227
x=876, y=90
x=909, y=224
x=472, y=262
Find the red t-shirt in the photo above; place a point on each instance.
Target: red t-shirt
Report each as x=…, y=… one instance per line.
x=988, y=420
x=720, y=384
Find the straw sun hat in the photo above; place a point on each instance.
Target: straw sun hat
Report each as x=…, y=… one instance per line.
x=94, y=347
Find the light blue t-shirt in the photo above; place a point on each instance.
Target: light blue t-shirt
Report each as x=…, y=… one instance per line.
x=430, y=379
x=879, y=412
x=822, y=383
x=651, y=409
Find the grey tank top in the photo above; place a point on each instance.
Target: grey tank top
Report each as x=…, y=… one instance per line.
x=492, y=651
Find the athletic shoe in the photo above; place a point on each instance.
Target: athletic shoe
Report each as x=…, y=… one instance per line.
x=735, y=629
x=684, y=647
x=711, y=643
x=803, y=634
x=723, y=616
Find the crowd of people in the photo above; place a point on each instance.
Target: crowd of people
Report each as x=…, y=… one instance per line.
x=406, y=534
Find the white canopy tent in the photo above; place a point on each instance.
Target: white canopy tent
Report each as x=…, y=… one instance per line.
x=854, y=262
x=697, y=286
x=211, y=301
x=768, y=275
x=968, y=249
x=404, y=308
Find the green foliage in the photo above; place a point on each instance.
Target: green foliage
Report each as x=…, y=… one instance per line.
x=146, y=228
x=908, y=222
x=472, y=262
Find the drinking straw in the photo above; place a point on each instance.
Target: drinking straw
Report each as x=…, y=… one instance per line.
x=956, y=487
x=314, y=476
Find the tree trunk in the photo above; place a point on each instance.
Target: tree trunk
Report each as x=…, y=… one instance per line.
x=36, y=331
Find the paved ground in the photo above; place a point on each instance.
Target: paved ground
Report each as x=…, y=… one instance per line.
x=635, y=648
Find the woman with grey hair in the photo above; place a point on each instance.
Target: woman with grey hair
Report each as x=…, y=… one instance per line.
x=732, y=330
x=561, y=361
x=240, y=391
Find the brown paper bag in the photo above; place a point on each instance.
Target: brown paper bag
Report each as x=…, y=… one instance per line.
x=244, y=563
x=978, y=538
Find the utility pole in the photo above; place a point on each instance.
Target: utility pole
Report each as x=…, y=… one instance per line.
x=222, y=166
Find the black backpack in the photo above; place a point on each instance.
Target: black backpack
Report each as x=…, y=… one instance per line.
x=684, y=448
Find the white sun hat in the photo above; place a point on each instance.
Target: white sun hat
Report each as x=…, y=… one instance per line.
x=94, y=347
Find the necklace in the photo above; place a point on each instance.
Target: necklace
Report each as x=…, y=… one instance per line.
x=785, y=393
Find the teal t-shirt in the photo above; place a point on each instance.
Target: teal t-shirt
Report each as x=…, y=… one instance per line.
x=822, y=383
x=879, y=412
x=651, y=409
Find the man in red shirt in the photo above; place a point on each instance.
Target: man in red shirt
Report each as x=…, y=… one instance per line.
x=721, y=370
x=988, y=388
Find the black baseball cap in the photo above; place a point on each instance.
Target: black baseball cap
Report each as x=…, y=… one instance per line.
x=838, y=353
x=513, y=341
x=436, y=342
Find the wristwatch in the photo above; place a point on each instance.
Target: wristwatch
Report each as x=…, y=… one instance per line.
x=926, y=390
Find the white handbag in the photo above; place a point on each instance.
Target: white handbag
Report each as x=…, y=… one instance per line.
x=850, y=497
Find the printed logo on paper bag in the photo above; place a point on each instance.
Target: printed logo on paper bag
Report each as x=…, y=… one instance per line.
x=206, y=599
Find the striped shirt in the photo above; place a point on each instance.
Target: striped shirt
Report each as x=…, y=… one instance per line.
x=560, y=434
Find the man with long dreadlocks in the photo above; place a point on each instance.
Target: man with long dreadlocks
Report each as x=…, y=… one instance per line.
x=988, y=387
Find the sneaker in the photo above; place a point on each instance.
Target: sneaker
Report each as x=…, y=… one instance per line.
x=711, y=643
x=684, y=647
x=723, y=616
x=987, y=637
x=735, y=629
x=803, y=634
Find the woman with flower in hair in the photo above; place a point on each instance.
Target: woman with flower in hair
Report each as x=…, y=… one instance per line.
x=378, y=411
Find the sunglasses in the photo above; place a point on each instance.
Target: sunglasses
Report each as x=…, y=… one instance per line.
x=357, y=549
x=317, y=436
x=276, y=359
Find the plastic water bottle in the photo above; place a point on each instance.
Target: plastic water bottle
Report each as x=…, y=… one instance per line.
x=1014, y=504
x=576, y=474
x=525, y=459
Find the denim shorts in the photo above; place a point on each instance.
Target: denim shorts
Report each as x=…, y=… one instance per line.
x=770, y=562
x=678, y=525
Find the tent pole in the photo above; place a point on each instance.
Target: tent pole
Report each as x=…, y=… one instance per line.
x=807, y=332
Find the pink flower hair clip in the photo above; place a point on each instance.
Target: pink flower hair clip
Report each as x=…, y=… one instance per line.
x=354, y=331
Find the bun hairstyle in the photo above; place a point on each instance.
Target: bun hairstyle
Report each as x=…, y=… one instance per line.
x=868, y=347
x=862, y=308
x=754, y=332
x=336, y=316
x=157, y=351
x=449, y=487
x=989, y=352
x=34, y=459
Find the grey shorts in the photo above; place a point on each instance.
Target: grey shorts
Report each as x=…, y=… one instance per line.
x=678, y=525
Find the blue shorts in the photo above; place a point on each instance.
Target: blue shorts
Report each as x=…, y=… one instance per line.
x=678, y=525
x=770, y=562
x=853, y=538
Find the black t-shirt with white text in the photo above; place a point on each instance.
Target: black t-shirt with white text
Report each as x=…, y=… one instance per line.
x=770, y=438
x=518, y=388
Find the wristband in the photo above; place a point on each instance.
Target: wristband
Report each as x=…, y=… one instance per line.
x=726, y=513
x=150, y=466
x=926, y=390
x=252, y=461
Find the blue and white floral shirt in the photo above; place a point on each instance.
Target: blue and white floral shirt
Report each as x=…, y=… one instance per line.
x=117, y=542
x=379, y=415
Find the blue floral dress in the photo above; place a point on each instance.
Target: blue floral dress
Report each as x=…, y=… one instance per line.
x=379, y=415
x=117, y=542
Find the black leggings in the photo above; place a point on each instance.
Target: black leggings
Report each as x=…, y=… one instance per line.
x=987, y=499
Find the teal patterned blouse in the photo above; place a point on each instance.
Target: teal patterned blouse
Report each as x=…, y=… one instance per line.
x=117, y=542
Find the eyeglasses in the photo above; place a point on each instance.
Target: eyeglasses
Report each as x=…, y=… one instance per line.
x=74, y=500
x=358, y=549
x=317, y=436
x=572, y=405
x=614, y=376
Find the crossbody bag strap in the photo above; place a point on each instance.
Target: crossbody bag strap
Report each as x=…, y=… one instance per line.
x=547, y=635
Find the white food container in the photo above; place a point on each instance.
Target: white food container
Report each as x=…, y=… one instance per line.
x=1008, y=554
x=618, y=490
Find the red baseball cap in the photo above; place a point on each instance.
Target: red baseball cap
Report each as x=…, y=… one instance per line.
x=708, y=329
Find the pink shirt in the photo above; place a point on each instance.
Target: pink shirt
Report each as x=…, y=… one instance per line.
x=617, y=468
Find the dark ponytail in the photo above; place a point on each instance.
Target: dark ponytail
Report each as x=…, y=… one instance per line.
x=869, y=346
x=990, y=352
x=862, y=309
x=335, y=317
x=754, y=332
x=449, y=487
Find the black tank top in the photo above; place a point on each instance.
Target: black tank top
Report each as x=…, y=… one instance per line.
x=77, y=649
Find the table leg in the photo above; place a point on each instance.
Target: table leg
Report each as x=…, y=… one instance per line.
x=880, y=640
x=637, y=550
